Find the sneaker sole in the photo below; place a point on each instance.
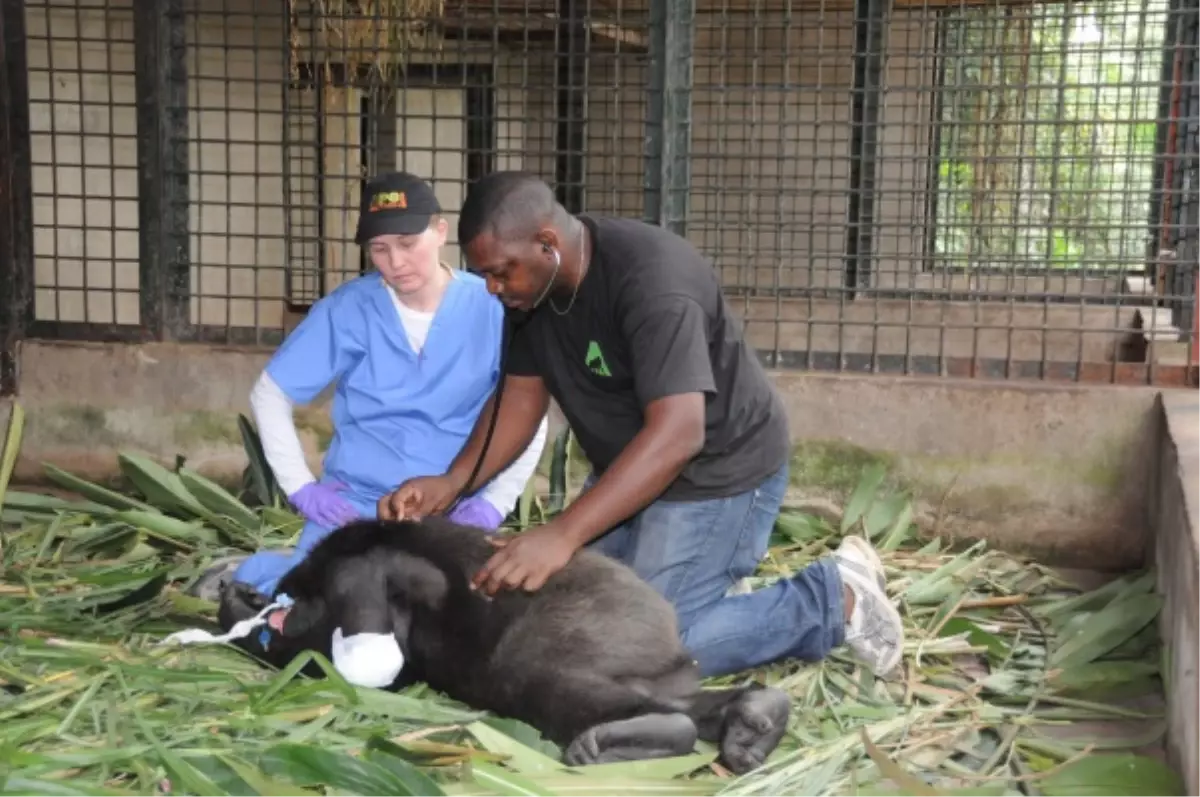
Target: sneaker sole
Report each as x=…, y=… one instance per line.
x=208, y=585
x=867, y=551
x=863, y=587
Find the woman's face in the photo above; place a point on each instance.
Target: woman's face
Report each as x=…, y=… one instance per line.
x=409, y=262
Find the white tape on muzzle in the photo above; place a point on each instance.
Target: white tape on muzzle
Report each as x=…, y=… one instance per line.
x=239, y=630
x=373, y=660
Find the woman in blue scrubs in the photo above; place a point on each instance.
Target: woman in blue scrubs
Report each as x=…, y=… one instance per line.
x=413, y=350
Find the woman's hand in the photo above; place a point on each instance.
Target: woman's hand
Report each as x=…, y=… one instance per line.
x=418, y=497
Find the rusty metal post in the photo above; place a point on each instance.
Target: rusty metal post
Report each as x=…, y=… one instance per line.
x=16, y=195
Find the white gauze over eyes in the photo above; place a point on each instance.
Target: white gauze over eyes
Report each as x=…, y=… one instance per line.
x=373, y=660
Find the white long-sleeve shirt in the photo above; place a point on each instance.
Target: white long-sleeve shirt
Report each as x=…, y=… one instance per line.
x=273, y=413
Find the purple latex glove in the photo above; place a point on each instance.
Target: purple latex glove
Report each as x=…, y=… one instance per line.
x=476, y=512
x=321, y=504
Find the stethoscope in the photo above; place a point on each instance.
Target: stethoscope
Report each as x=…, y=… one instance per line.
x=554, y=276
x=510, y=327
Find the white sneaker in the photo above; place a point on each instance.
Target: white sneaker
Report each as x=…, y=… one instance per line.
x=856, y=547
x=208, y=585
x=875, y=632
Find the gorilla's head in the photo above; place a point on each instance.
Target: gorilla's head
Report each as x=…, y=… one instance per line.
x=361, y=596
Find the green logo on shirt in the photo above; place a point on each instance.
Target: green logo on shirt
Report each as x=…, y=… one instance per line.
x=595, y=360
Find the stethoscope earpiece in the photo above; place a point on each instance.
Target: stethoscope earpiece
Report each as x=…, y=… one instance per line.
x=550, y=282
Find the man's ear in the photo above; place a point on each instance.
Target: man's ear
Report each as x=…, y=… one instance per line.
x=547, y=237
x=416, y=580
x=303, y=616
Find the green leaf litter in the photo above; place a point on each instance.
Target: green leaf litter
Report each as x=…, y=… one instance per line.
x=1008, y=671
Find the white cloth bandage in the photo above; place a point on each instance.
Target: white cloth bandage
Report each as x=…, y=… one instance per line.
x=373, y=660
x=240, y=629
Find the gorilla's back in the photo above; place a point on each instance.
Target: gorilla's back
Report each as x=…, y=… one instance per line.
x=595, y=615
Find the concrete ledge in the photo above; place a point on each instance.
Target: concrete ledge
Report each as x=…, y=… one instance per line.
x=1057, y=472
x=1175, y=509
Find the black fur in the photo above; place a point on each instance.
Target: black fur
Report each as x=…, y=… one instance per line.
x=592, y=659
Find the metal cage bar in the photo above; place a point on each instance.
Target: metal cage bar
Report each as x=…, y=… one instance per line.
x=870, y=41
x=163, y=177
x=669, y=113
x=16, y=195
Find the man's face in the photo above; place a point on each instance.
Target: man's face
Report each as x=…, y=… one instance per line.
x=516, y=271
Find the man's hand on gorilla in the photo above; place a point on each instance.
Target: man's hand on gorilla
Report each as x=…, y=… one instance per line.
x=526, y=560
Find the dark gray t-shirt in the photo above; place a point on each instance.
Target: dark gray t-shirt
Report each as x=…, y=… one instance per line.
x=650, y=321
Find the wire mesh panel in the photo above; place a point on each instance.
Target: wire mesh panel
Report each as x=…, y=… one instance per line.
x=83, y=142
x=1177, y=201
x=962, y=188
x=237, y=79
x=769, y=143
x=1045, y=133
x=292, y=105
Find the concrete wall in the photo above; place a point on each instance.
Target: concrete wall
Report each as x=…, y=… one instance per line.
x=769, y=171
x=1176, y=522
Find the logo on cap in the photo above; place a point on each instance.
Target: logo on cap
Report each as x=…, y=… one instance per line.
x=388, y=200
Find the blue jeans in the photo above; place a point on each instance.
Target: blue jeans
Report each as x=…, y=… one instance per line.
x=692, y=552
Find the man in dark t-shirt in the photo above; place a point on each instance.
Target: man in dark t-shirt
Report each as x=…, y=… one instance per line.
x=654, y=292
x=625, y=325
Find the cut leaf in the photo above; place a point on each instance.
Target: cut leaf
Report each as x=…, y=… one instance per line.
x=161, y=487
x=263, y=784
x=800, y=527
x=94, y=492
x=500, y=781
x=1112, y=774
x=389, y=756
x=883, y=514
x=315, y=766
x=521, y=758
x=908, y=783
x=218, y=500
x=863, y=495
x=260, y=477
x=664, y=768
x=1106, y=630
x=12, y=446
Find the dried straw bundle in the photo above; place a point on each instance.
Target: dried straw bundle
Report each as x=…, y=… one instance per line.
x=362, y=39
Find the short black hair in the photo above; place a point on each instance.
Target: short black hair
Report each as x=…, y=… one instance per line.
x=509, y=204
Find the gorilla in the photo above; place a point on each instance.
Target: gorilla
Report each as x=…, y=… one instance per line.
x=592, y=660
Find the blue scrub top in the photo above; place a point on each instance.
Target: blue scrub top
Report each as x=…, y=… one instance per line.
x=396, y=414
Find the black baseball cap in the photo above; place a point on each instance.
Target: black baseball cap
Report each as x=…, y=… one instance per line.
x=395, y=203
